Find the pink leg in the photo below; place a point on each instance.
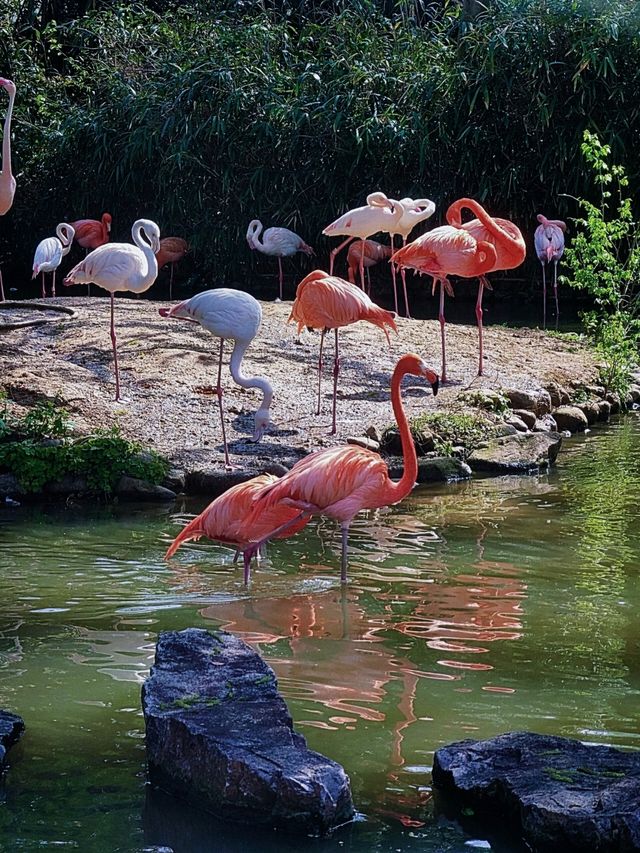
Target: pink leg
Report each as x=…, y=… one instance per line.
x=555, y=290
x=362, y=287
x=483, y=281
x=403, y=273
x=393, y=277
x=42, y=288
x=442, y=336
x=336, y=370
x=227, y=463
x=171, y=282
x=544, y=298
x=322, y=334
x=345, y=543
x=280, y=268
x=254, y=548
x=115, y=351
x=1, y=288
x=53, y=284
x=334, y=252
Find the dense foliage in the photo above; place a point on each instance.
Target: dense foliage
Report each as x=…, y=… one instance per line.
x=203, y=115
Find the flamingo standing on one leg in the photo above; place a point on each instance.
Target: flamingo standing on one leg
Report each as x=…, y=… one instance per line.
x=49, y=253
x=442, y=252
x=549, y=243
x=378, y=214
x=231, y=314
x=7, y=180
x=328, y=302
x=92, y=233
x=503, y=235
x=373, y=254
x=341, y=481
x=172, y=250
x=414, y=211
x=280, y=242
x=121, y=266
x=224, y=519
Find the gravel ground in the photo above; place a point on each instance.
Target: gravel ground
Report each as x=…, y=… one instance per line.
x=168, y=368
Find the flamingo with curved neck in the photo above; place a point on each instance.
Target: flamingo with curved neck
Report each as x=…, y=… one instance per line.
x=7, y=180
x=505, y=237
x=342, y=481
x=50, y=252
x=549, y=243
x=414, y=211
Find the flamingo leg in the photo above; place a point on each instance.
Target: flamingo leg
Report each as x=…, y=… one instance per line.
x=322, y=334
x=345, y=544
x=115, y=350
x=336, y=370
x=171, y=281
x=555, y=290
x=544, y=298
x=442, y=335
x=53, y=284
x=1, y=288
x=483, y=282
x=42, y=287
x=280, y=269
x=393, y=277
x=227, y=463
x=403, y=274
x=334, y=252
x=253, y=549
x=362, y=287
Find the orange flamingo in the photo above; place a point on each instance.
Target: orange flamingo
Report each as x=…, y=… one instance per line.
x=280, y=242
x=172, y=250
x=7, y=180
x=378, y=214
x=224, y=519
x=328, y=302
x=549, y=243
x=503, y=235
x=91, y=233
x=442, y=252
x=373, y=254
x=342, y=481
x=414, y=211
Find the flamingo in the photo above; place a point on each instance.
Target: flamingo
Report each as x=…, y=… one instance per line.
x=92, y=233
x=341, y=481
x=414, y=211
x=49, y=253
x=503, y=235
x=378, y=214
x=172, y=250
x=121, y=266
x=276, y=241
x=231, y=314
x=7, y=181
x=373, y=253
x=327, y=302
x=442, y=252
x=223, y=520
x=549, y=243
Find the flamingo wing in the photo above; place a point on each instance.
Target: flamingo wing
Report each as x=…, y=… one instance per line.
x=281, y=242
x=48, y=255
x=113, y=266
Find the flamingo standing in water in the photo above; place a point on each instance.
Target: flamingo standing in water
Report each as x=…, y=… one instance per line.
x=378, y=214
x=328, y=302
x=224, y=519
x=49, y=253
x=503, y=235
x=172, y=250
x=7, y=180
x=121, y=266
x=342, y=481
x=280, y=242
x=373, y=254
x=442, y=252
x=231, y=314
x=414, y=211
x=549, y=243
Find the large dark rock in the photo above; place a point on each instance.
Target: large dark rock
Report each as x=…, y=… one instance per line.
x=552, y=793
x=220, y=736
x=515, y=454
x=433, y=469
x=571, y=418
x=11, y=729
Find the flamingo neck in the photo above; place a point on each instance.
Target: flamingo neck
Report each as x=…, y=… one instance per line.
x=63, y=236
x=255, y=237
x=6, y=137
x=454, y=217
x=398, y=490
x=147, y=251
x=239, y=349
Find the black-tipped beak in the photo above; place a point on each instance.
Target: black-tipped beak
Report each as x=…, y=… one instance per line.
x=435, y=385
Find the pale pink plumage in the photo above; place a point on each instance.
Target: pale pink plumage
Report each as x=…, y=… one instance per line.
x=549, y=243
x=278, y=242
x=414, y=211
x=49, y=253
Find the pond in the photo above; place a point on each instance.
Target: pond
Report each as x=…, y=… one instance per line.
x=473, y=609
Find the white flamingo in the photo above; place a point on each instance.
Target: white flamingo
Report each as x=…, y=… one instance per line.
x=50, y=252
x=278, y=242
x=414, y=211
x=121, y=266
x=236, y=315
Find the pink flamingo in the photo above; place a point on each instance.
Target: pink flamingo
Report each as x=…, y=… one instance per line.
x=378, y=214
x=549, y=243
x=92, y=233
x=328, y=302
x=342, y=481
x=280, y=242
x=442, y=252
x=172, y=250
x=224, y=519
x=236, y=315
x=7, y=180
x=373, y=254
x=49, y=253
x=504, y=236
x=414, y=211
x=121, y=266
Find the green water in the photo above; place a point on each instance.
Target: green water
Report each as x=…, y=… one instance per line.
x=473, y=609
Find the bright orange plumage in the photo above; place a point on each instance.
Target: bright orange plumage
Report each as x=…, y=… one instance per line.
x=91, y=233
x=172, y=250
x=447, y=251
x=373, y=253
x=503, y=235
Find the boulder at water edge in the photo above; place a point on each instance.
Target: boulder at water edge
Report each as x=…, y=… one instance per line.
x=11, y=729
x=552, y=793
x=220, y=736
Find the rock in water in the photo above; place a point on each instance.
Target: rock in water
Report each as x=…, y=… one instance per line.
x=220, y=736
x=11, y=729
x=554, y=793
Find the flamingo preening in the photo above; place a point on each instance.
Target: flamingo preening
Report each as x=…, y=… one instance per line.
x=341, y=481
x=121, y=266
x=172, y=250
x=549, y=243
x=414, y=211
x=7, y=180
x=236, y=315
x=327, y=302
x=373, y=254
x=49, y=253
x=278, y=242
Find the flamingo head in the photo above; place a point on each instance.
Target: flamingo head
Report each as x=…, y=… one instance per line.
x=261, y=424
x=106, y=221
x=414, y=365
x=379, y=199
x=9, y=85
x=255, y=227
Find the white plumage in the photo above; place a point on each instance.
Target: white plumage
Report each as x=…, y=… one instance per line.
x=278, y=242
x=49, y=253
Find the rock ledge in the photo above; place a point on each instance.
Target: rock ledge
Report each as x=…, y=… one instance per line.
x=11, y=729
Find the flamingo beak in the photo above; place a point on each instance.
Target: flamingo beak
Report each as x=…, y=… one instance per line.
x=435, y=385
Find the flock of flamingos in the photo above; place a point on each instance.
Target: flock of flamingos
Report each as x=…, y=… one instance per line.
x=341, y=481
